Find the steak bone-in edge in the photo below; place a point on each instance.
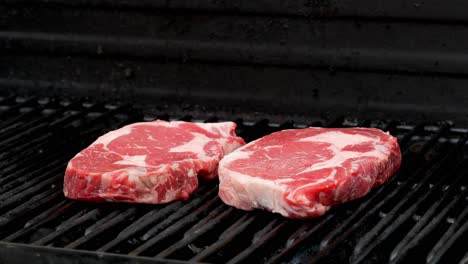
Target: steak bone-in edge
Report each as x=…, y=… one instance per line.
x=149, y=162
x=302, y=173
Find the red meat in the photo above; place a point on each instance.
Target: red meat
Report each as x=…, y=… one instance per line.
x=302, y=173
x=151, y=162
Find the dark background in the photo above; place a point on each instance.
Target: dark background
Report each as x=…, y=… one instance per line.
x=369, y=59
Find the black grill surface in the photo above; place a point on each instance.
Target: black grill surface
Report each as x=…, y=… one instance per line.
x=420, y=215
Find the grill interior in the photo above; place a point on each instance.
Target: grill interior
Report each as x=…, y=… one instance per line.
x=420, y=214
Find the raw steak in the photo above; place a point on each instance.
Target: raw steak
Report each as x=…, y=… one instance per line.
x=151, y=162
x=302, y=173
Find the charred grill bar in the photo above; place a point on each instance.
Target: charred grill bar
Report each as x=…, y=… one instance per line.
x=73, y=70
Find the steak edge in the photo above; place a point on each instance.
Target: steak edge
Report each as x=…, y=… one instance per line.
x=302, y=173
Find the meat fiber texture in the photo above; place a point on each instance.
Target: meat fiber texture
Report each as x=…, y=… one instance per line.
x=150, y=162
x=302, y=173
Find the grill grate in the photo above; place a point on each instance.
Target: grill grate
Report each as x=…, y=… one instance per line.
x=420, y=214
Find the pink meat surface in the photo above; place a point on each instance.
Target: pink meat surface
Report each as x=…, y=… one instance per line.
x=302, y=173
x=150, y=162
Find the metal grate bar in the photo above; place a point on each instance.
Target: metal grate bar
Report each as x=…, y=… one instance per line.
x=182, y=225
x=300, y=235
x=178, y=215
x=23, y=182
x=227, y=236
x=29, y=206
x=41, y=219
x=205, y=206
x=149, y=218
x=16, y=122
x=33, y=150
x=9, y=146
x=394, y=223
x=14, y=175
x=36, y=186
x=464, y=260
x=13, y=109
x=56, y=210
x=74, y=221
x=168, y=213
x=264, y=236
x=424, y=225
x=366, y=243
x=42, y=129
x=155, y=235
x=407, y=137
x=103, y=225
x=213, y=219
x=38, y=117
x=7, y=99
x=458, y=229
x=144, y=221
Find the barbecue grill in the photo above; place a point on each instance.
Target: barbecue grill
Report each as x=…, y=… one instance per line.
x=73, y=70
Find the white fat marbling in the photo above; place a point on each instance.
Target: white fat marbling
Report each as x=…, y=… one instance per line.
x=338, y=139
x=138, y=160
